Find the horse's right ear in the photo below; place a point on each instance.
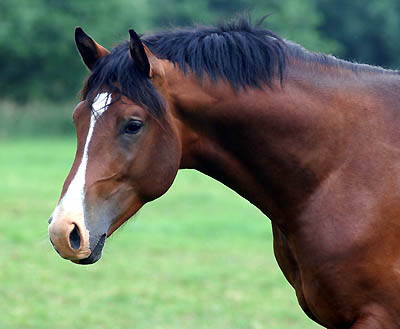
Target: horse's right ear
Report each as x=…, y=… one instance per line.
x=89, y=49
x=144, y=59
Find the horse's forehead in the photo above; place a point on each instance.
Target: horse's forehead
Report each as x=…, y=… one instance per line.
x=101, y=103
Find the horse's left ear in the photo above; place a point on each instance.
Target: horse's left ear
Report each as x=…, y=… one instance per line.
x=144, y=59
x=89, y=49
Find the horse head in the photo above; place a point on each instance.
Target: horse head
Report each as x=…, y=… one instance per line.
x=128, y=152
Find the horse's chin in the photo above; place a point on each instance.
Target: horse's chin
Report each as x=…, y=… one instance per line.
x=115, y=226
x=95, y=255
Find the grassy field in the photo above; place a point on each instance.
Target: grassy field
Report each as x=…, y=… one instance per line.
x=199, y=257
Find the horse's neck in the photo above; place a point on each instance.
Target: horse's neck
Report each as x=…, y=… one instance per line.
x=272, y=146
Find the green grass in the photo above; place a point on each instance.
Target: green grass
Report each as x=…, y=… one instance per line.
x=199, y=257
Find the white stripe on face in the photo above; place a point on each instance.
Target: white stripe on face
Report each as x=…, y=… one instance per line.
x=72, y=203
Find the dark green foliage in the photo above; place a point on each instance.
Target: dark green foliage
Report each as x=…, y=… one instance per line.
x=367, y=30
x=38, y=59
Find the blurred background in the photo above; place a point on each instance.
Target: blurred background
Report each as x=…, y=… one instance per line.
x=199, y=257
x=40, y=70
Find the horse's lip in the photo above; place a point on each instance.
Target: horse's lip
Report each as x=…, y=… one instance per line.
x=96, y=253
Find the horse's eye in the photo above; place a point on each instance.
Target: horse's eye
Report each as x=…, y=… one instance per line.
x=132, y=127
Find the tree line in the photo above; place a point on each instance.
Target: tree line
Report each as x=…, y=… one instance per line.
x=38, y=59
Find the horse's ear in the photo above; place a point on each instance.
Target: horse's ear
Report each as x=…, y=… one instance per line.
x=89, y=49
x=138, y=53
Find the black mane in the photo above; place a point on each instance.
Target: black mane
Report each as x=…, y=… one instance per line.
x=238, y=52
x=242, y=54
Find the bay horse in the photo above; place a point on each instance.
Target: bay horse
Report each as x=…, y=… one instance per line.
x=311, y=140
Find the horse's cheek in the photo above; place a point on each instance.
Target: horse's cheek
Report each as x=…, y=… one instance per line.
x=160, y=170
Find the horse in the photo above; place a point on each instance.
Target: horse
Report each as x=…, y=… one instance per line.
x=311, y=140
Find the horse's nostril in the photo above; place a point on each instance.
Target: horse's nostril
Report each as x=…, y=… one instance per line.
x=50, y=219
x=75, y=238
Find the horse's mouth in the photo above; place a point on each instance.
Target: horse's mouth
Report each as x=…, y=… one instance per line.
x=96, y=253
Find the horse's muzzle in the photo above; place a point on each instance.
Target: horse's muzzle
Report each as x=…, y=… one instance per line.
x=96, y=253
x=70, y=239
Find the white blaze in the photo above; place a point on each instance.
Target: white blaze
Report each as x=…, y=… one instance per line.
x=73, y=201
